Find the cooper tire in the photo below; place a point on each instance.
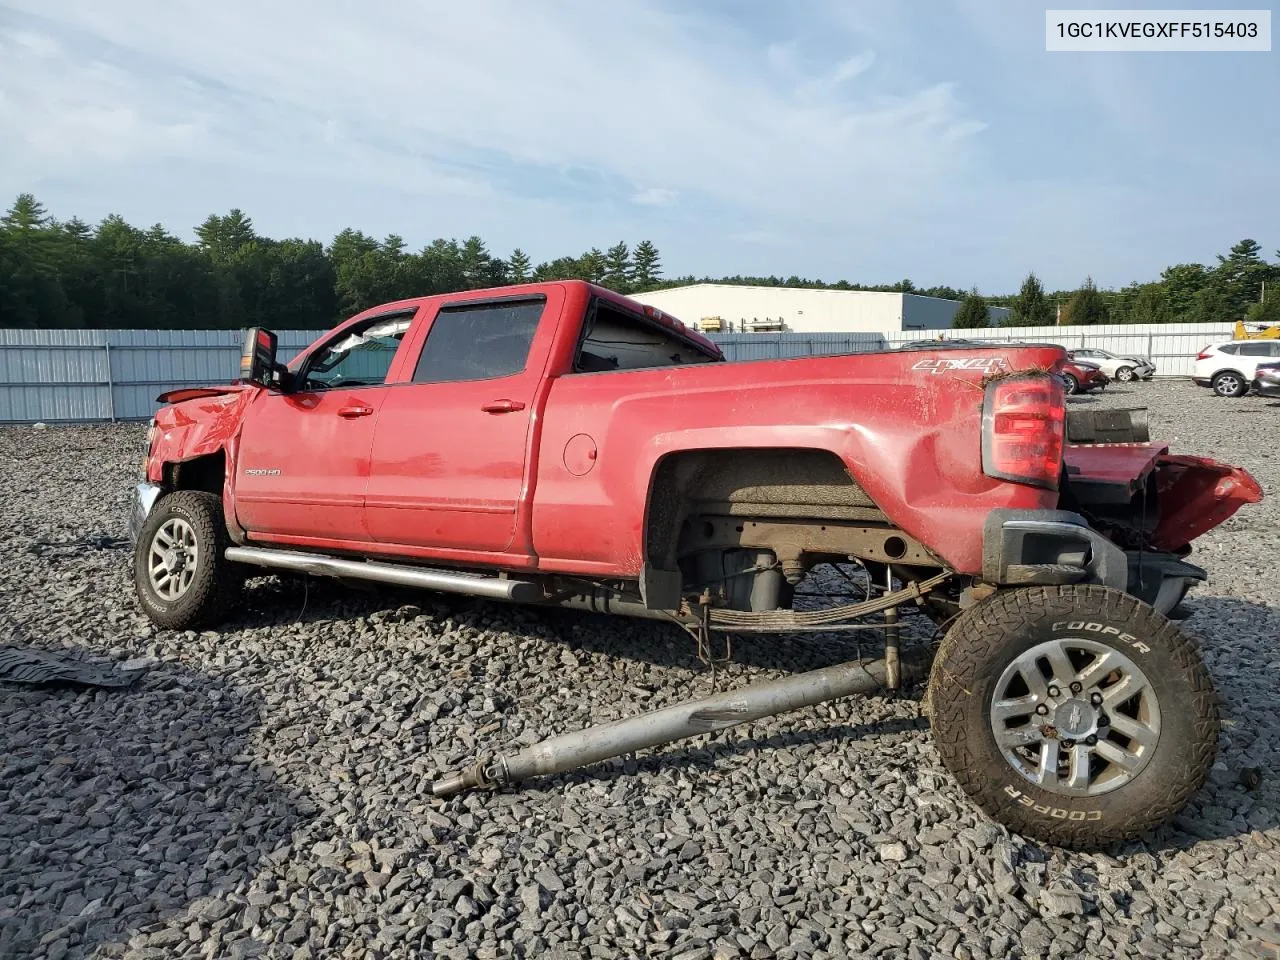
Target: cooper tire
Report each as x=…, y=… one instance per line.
x=201, y=593
x=988, y=640
x=1230, y=384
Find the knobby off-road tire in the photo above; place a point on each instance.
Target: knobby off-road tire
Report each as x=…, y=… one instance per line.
x=202, y=587
x=988, y=655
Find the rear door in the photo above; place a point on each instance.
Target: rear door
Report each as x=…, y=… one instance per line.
x=303, y=459
x=450, y=450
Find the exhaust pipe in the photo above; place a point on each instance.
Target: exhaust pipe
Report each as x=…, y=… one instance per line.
x=571, y=750
x=475, y=585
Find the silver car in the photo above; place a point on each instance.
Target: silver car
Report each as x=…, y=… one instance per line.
x=1124, y=369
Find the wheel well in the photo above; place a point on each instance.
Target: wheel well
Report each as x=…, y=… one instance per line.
x=1220, y=373
x=795, y=484
x=199, y=473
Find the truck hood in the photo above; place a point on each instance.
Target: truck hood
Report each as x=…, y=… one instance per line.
x=196, y=393
x=197, y=421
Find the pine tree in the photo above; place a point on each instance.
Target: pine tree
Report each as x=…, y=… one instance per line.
x=973, y=312
x=646, y=265
x=519, y=268
x=1030, y=308
x=617, y=268
x=1086, y=308
x=1240, y=275
x=27, y=214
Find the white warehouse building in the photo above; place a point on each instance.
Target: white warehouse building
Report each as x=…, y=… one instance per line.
x=730, y=308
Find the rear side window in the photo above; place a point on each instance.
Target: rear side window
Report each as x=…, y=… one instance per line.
x=1231, y=348
x=618, y=340
x=479, y=341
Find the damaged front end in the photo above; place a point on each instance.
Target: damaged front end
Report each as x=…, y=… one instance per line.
x=1150, y=503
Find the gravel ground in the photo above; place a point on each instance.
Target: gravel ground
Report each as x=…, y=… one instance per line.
x=263, y=790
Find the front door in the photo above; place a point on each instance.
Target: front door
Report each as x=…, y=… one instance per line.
x=303, y=460
x=448, y=461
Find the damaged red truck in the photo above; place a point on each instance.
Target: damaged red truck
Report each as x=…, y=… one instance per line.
x=559, y=444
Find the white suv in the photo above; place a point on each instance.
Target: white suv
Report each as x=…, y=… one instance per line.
x=1229, y=368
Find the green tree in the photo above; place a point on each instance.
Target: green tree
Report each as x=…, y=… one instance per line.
x=1267, y=311
x=617, y=268
x=1086, y=308
x=1240, y=276
x=1030, y=308
x=223, y=236
x=1183, y=284
x=973, y=312
x=519, y=268
x=646, y=266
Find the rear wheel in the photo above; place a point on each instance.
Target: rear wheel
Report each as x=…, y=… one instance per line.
x=1125, y=374
x=1076, y=715
x=182, y=578
x=1230, y=384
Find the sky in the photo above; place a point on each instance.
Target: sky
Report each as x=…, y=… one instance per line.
x=831, y=139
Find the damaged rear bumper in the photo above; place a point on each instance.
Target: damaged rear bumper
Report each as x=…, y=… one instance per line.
x=1023, y=548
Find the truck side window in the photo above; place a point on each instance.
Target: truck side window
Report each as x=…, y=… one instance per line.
x=361, y=357
x=618, y=340
x=479, y=341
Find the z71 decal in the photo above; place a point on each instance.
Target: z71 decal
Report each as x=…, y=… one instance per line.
x=948, y=365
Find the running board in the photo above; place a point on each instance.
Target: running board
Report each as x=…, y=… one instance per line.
x=445, y=581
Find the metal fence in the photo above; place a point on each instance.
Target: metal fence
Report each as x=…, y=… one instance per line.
x=50, y=375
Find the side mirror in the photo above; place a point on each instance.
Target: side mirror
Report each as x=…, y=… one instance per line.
x=258, y=357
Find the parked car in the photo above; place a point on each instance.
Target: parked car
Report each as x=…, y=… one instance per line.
x=1079, y=376
x=1266, y=379
x=1122, y=368
x=1230, y=368
x=559, y=444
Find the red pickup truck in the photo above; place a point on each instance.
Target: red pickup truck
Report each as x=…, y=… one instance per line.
x=559, y=444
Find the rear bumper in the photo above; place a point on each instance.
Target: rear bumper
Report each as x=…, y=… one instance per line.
x=1201, y=382
x=145, y=496
x=1024, y=548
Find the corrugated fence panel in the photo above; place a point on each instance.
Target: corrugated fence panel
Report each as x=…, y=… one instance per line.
x=105, y=374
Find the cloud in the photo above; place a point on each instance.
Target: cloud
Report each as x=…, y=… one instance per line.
x=655, y=197
x=473, y=92
x=877, y=142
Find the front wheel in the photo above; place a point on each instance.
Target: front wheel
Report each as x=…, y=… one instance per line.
x=1076, y=715
x=1125, y=374
x=1070, y=384
x=182, y=578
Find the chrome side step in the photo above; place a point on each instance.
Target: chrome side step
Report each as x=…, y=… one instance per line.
x=446, y=581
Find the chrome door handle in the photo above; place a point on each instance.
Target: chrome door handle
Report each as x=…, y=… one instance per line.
x=502, y=406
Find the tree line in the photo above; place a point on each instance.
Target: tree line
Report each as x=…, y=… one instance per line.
x=114, y=275
x=1242, y=285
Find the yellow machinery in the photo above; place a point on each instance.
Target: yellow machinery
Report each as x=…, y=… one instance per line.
x=1259, y=332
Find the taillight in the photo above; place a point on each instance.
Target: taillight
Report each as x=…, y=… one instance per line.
x=1022, y=430
x=1206, y=352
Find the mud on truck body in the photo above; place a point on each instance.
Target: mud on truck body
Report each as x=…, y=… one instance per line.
x=558, y=444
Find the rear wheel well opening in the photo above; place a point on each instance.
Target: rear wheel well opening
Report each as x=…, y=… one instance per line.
x=206, y=473
x=796, y=483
